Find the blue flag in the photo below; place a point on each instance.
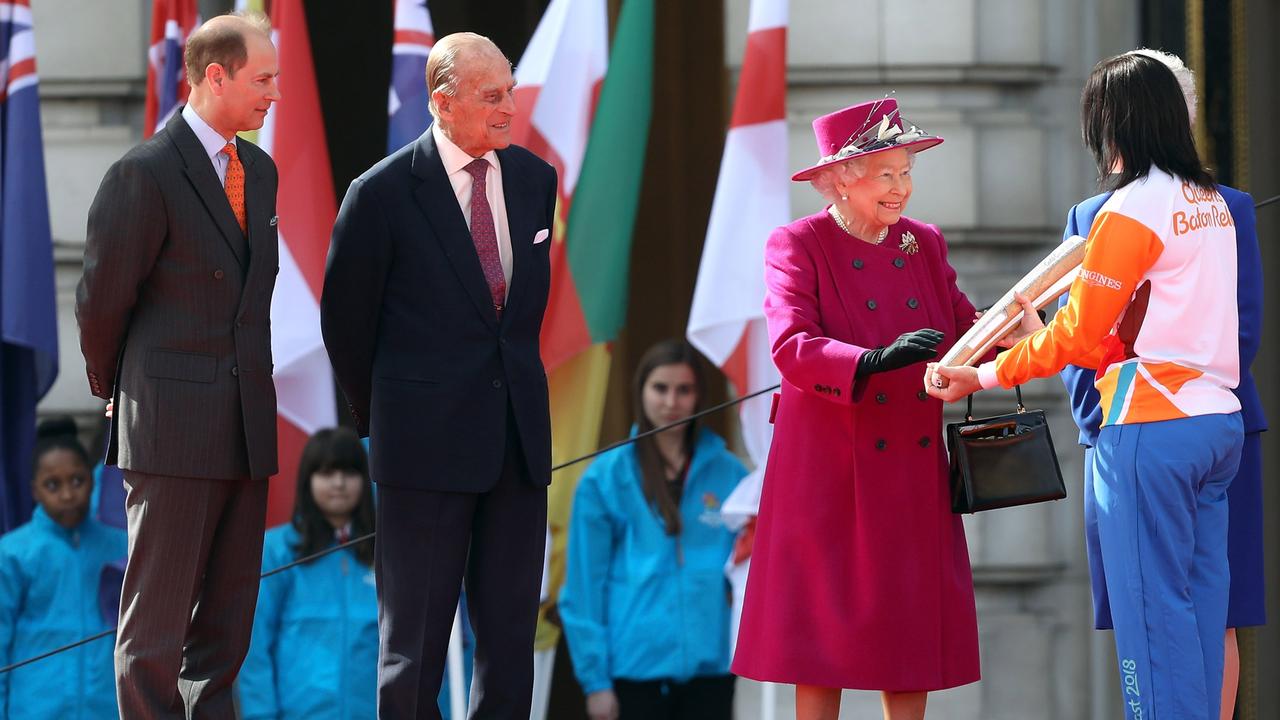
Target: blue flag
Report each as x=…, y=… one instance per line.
x=28, y=313
x=407, y=114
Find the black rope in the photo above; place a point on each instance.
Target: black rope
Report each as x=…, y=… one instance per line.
x=370, y=536
x=1266, y=202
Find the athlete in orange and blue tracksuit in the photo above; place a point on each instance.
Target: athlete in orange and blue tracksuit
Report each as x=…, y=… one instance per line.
x=1154, y=310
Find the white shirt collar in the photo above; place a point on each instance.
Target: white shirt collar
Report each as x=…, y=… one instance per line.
x=209, y=138
x=454, y=157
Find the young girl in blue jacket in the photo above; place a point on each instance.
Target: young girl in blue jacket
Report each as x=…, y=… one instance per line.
x=314, y=652
x=645, y=604
x=50, y=573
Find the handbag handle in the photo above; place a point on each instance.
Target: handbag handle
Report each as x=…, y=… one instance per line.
x=968, y=408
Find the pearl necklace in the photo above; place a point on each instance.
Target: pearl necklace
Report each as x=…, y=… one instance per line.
x=835, y=215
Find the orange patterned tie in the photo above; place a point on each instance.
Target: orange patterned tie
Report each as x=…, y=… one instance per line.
x=235, y=185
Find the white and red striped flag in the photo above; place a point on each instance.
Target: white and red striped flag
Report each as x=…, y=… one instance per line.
x=726, y=321
x=171, y=22
x=294, y=136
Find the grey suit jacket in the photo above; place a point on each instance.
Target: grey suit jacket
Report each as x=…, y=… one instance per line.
x=174, y=310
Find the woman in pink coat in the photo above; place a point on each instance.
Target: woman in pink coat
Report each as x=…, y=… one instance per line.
x=860, y=574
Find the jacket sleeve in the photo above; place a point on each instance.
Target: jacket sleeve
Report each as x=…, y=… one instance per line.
x=584, y=599
x=1085, y=407
x=809, y=360
x=1249, y=280
x=258, y=681
x=360, y=257
x=1118, y=254
x=125, y=233
x=11, y=592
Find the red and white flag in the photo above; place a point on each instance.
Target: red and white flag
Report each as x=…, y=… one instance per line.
x=294, y=136
x=726, y=321
x=558, y=83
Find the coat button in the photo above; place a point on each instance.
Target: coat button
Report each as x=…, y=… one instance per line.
x=880, y=444
x=882, y=398
x=899, y=262
x=497, y=383
x=922, y=395
x=218, y=274
x=871, y=304
x=924, y=442
x=857, y=264
x=235, y=370
x=913, y=303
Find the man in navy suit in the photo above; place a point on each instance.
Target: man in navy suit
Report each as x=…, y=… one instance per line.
x=433, y=300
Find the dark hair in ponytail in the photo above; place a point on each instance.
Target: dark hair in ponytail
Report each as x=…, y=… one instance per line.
x=58, y=433
x=1133, y=110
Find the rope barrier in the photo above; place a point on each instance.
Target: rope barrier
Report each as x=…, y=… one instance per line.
x=363, y=538
x=561, y=466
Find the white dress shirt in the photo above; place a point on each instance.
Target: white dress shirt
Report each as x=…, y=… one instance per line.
x=210, y=140
x=455, y=162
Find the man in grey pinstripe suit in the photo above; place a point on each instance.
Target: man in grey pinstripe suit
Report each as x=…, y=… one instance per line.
x=180, y=263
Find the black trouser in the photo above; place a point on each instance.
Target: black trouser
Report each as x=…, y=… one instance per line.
x=701, y=698
x=428, y=542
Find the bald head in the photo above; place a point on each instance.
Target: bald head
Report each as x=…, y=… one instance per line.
x=224, y=40
x=455, y=59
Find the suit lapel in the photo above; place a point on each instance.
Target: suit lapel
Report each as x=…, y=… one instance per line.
x=205, y=181
x=440, y=206
x=519, y=225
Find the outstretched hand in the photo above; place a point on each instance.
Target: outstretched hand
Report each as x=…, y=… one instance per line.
x=950, y=383
x=910, y=347
x=1031, y=322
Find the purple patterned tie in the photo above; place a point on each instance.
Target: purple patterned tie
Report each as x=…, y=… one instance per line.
x=484, y=235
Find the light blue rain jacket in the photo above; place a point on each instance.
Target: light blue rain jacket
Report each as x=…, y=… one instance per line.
x=637, y=603
x=49, y=579
x=314, y=652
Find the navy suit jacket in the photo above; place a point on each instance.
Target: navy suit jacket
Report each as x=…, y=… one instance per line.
x=1079, y=381
x=427, y=366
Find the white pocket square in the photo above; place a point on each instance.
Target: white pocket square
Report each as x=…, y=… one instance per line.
x=275, y=219
x=541, y=236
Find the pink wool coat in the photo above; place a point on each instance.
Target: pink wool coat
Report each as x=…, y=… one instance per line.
x=860, y=574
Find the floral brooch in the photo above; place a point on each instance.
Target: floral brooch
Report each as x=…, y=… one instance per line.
x=908, y=244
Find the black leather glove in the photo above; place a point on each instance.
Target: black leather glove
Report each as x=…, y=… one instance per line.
x=909, y=348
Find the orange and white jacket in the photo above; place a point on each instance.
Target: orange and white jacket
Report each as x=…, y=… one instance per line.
x=1153, y=308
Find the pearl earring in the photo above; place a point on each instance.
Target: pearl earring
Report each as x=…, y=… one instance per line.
x=844, y=197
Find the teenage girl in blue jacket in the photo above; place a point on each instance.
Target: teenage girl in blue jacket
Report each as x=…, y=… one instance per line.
x=50, y=572
x=645, y=604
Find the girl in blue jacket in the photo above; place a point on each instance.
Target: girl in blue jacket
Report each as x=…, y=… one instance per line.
x=50, y=571
x=314, y=652
x=645, y=604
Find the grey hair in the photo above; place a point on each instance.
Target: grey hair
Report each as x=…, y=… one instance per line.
x=855, y=168
x=442, y=63
x=1186, y=79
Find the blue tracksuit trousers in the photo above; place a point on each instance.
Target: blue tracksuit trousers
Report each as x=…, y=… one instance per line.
x=1161, y=490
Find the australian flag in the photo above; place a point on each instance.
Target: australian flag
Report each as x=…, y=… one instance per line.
x=407, y=100
x=28, y=313
x=171, y=22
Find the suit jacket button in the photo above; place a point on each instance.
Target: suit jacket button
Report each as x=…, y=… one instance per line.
x=871, y=304
x=497, y=383
x=922, y=395
x=218, y=274
x=857, y=264
x=882, y=398
x=880, y=444
x=899, y=262
x=924, y=442
x=817, y=388
x=912, y=303
x=235, y=370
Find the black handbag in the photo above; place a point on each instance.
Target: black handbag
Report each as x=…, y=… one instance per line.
x=1002, y=461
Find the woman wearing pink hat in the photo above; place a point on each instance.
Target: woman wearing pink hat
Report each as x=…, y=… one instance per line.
x=860, y=573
